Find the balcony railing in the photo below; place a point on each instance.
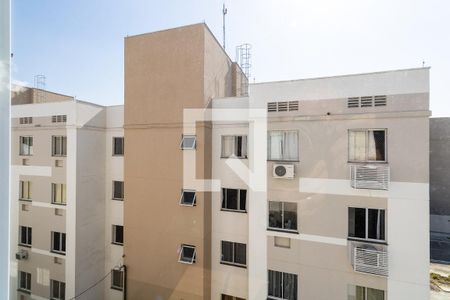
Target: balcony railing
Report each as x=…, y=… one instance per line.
x=374, y=177
x=371, y=261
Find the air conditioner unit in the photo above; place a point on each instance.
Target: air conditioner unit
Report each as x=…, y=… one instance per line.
x=283, y=171
x=22, y=255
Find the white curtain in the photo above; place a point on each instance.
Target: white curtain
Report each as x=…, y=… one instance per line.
x=244, y=146
x=357, y=145
x=372, y=151
x=276, y=145
x=228, y=146
x=290, y=145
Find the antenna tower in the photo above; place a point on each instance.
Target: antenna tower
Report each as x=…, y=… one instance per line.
x=39, y=85
x=243, y=56
x=224, y=12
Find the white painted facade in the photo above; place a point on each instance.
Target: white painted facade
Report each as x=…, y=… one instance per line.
x=89, y=253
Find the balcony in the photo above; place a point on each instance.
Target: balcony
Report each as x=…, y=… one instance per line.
x=373, y=177
x=370, y=258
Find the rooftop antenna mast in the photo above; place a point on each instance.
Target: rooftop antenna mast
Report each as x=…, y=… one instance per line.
x=39, y=85
x=224, y=12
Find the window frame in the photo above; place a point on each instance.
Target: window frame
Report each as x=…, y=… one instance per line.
x=22, y=185
x=62, y=237
x=282, y=218
x=28, y=138
x=194, y=201
x=365, y=291
x=225, y=297
x=25, y=120
x=62, y=151
x=114, y=190
x=59, y=119
x=236, y=137
x=282, y=159
x=114, y=145
x=282, y=285
x=194, y=145
x=367, y=239
x=238, y=200
x=61, y=287
x=114, y=235
x=194, y=255
x=27, y=288
x=113, y=274
x=233, y=254
x=367, y=130
x=28, y=237
x=63, y=188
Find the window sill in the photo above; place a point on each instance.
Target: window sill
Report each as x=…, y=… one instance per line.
x=234, y=210
x=368, y=162
x=233, y=157
x=24, y=245
x=233, y=265
x=188, y=205
x=117, y=155
x=28, y=292
x=292, y=231
x=60, y=204
x=59, y=156
x=117, y=288
x=379, y=242
x=26, y=155
x=58, y=252
x=283, y=161
x=117, y=244
x=117, y=199
x=25, y=200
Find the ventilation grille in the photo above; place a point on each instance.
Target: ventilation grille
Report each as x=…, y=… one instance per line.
x=374, y=177
x=370, y=261
x=283, y=106
x=367, y=101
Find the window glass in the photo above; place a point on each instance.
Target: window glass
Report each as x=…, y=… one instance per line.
x=118, y=190
x=118, y=146
x=290, y=215
x=289, y=286
x=242, y=199
x=367, y=145
x=188, y=197
x=275, y=284
x=374, y=294
x=376, y=224
x=232, y=198
x=188, y=142
x=357, y=222
x=283, y=145
x=187, y=254
x=117, y=279
x=275, y=216
x=117, y=234
x=240, y=253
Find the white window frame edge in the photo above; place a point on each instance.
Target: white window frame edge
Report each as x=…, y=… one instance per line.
x=194, y=201
x=181, y=253
x=367, y=227
x=194, y=146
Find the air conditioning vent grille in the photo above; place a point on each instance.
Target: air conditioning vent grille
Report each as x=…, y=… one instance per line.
x=367, y=101
x=293, y=105
x=353, y=102
x=283, y=106
x=272, y=107
x=370, y=261
x=374, y=177
x=380, y=100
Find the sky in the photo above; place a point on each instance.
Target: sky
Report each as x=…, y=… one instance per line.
x=78, y=45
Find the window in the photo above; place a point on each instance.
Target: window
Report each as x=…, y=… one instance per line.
x=188, y=142
x=282, y=285
x=118, y=190
x=25, y=237
x=366, y=223
x=59, y=145
x=25, y=190
x=283, y=216
x=59, y=242
x=117, y=279
x=282, y=145
x=234, y=146
x=25, y=281
x=234, y=199
x=57, y=290
x=226, y=297
x=117, y=234
x=188, y=198
x=26, y=145
x=365, y=145
x=363, y=293
x=59, y=193
x=118, y=145
x=234, y=253
x=26, y=120
x=187, y=254
x=282, y=242
x=59, y=119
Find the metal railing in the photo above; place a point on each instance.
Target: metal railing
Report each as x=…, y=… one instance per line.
x=370, y=261
x=375, y=177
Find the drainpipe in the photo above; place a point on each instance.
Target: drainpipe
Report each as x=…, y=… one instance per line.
x=124, y=282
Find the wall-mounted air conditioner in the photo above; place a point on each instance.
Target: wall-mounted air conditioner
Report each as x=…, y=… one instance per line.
x=22, y=255
x=283, y=171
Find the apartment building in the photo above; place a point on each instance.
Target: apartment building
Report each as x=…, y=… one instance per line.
x=67, y=197
x=439, y=190
x=345, y=212
x=339, y=210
